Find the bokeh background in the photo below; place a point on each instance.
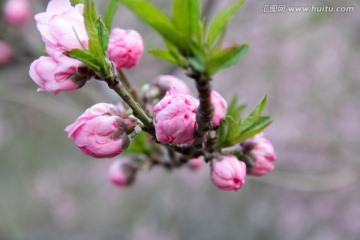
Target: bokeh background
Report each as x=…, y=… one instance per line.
x=308, y=66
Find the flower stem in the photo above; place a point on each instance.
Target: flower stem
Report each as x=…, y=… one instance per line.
x=123, y=78
x=114, y=83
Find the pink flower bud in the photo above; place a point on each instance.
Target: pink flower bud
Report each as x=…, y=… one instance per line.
x=228, y=173
x=196, y=163
x=17, y=12
x=62, y=27
x=100, y=132
x=125, y=48
x=263, y=154
x=5, y=52
x=122, y=172
x=175, y=118
x=121, y=108
x=220, y=107
x=167, y=82
x=56, y=76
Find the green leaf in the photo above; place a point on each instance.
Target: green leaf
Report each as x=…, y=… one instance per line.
x=222, y=133
x=175, y=53
x=139, y=144
x=85, y=57
x=153, y=17
x=197, y=63
x=221, y=20
x=166, y=55
x=234, y=130
x=225, y=58
x=90, y=16
x=187, y=16
x=254, y=115
x=76, y=1
x=103, y=34
x=256, y=128
x=234, y=110
x=110, y=11
x=219, y=42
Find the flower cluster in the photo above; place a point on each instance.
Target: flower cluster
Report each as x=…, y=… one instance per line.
x=228, y=173
x=170, y=126
x=62, y=29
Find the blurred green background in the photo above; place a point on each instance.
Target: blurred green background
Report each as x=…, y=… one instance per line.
x=307, y=63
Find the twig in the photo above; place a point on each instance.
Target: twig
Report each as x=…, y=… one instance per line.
x=206, y=110
x=123, y=78
x=114, y=83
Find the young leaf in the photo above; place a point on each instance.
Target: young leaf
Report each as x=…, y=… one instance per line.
x=219, y=42
x=85, y=57
x=222, y=133
x=103, y=34
x=234, y=130
x=186, y=16
x=73, y=1
x=197, y=63
x=166, y=55
x=225, y=58
x=110, y=11
x=256, y=128
x=220, y=21
x=153, y=17
x=90, y=16
x=175, y=53
x=139, y=145
x=234, y=110
x=254, y=115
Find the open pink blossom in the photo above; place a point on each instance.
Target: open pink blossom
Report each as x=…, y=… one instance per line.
x=220, y=108
x=228, y=173
x=5, y=52
x=62, y=27
x=167, y=82
x=175, y=118
x=17, y=12
x=263, y=154
x=125, y=48
x=55, y=76
x=100, y=132
x=122, y=172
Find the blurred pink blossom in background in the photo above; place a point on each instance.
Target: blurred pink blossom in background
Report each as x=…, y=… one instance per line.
x=5, y=52
x=17, y=12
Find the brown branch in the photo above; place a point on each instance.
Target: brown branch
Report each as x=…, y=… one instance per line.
x=205, y=110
